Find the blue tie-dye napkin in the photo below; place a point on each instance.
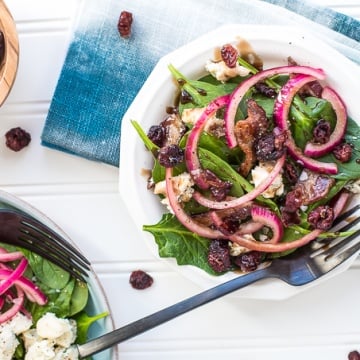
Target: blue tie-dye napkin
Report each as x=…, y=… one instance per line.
x=103, y=72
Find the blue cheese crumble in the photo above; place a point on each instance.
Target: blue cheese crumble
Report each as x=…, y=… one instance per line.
x=51, y=339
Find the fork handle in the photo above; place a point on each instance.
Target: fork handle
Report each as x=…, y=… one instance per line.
x=138, y=327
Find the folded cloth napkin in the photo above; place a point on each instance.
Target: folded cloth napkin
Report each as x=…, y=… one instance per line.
x=103, y=72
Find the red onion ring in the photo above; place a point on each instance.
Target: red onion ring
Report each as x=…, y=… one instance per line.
x=17, y=305
x=242, y=89
x=316, y=150
x=261, y=216
x=10, y=256
x=202, y=200
x=33, y=293
x=279, y=247
x=15, y=274
x=182, y=216
x=268, y=218
x=191, y=156
x=281, y=114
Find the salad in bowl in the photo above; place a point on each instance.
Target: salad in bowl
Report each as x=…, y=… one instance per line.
x=45, y=311
x=253, y=156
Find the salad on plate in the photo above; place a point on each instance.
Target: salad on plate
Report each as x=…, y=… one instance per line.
x=250, y=162
x=44, y=310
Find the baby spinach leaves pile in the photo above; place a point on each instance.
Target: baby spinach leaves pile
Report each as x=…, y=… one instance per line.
x=176, y=241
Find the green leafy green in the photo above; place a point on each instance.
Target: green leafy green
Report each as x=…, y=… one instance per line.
x=201, y=92
x=351, y=169
x=176, y=241
x=147, y=142
x=84, y=321
x=50, y=274
x=79, y=298
x=223, y=170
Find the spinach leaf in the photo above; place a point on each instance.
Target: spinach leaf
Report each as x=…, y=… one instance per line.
x=217, y=146
x=84, y=321
x=79, y=298
x=223, y=170
x=50, y=274
x=59, y=301
x=226, y=172
x=291, y=233
x=176, y=241
x=351, y=169
x=158, y=172
x=143, y=136
x=201, y=92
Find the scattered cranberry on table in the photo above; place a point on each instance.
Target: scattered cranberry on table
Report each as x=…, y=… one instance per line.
x=17, y=138
x=140, y=280
x=354, y=355
x=124, y=24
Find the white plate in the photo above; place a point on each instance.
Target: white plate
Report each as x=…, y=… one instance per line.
x=274, y=44
x=97, y=300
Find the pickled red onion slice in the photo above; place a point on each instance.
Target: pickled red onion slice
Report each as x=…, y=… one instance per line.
x=268, y=218
x=261, y=216
x=191, y=155
x=14, y=287
x=284, y=246
x=227, y=204
x=281, y=114
x=338, y=133
x=182, y=216
x=242, y=89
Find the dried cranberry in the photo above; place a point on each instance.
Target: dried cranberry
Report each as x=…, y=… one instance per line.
x=322, y=132
x=156, y=134
x=124, y=24
x=289, y=217
x=220, y=191
x=229, y=225
x=219, y=256
x=229, y=55
x=343, y=152
x=140, y=280
x=293, y=200
x=291, y=173
x=248, y=261
x=17, y=138
x=354, y=355
x=218, y=188
x=266, y=90
x=314, y=88
x=270, y=146
x=170, y=156
x=185, y=97
x=321, y=217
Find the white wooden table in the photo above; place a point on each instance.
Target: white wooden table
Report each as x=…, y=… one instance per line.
x=82, y=197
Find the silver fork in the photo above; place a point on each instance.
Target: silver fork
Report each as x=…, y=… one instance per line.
x=24, y=231
x=303, y=266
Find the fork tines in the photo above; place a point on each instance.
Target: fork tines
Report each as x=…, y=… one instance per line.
x=42, y=240
x=343, y=247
